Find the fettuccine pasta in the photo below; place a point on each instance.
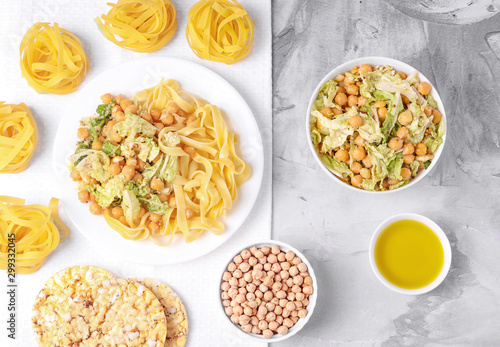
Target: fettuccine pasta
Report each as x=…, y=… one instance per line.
x=52, y=59
x=167, y=166
x=18, y=137
x=220, y=30
x=37, y=231
x=142, y=26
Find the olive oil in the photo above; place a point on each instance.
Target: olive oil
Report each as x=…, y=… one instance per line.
x=409, y=254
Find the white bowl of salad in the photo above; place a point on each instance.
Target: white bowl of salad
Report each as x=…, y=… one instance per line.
x=376, y=124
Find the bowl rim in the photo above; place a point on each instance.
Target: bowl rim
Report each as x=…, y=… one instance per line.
x=312, y=298
x=399, y=65
x=445, y=243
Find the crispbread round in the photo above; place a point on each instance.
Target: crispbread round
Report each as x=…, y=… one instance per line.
x=63, y=311
x=177, y=323
x=135, y=316
x=88, y=306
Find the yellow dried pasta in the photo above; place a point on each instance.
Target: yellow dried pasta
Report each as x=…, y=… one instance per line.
x=37, y=229
x=52, y=59
x=18, y=137
x=220, y=30
x=143, y=26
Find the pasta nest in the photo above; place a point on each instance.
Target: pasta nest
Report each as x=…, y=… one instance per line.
x=220, y=30
x=140, y=26
x=37, y=230
x=52, y=59
x=18, y=137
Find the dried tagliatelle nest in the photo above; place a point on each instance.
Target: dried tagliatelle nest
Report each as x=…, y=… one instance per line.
x=86, y=305
x=52, y=59
x=140, y=26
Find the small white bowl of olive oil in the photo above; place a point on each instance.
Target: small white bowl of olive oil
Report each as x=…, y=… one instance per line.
x=410, y=254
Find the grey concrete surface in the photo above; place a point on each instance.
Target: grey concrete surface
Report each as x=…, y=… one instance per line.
x=333, y=225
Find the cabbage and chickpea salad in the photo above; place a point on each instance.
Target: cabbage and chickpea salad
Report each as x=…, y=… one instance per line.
x=376, y=128
x=118, y=163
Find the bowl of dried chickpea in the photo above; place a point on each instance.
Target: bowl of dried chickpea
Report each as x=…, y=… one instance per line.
x=268, y=291
x=376, y=125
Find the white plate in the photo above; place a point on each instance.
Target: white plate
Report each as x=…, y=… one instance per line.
x=128, y=79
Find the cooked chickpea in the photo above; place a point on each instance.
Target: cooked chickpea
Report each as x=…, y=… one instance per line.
x=107, y=98
x=84, y=196
x=424, y=88
x=408, y=148
x=408, y=158
x=365, y=68
x=128, y=172
x=117, y=212
x=356, y=167
x=172, y=108
x=167, y=119
x=157, y=183
x=382, y=113
x=359, y=153
x=147, y=117
x=123, y=220
x=115, y=109
x=327, y=112
x=352, y=89
x=155, y=114
x=436, y=116
x=97, y=145
x=75, y=175
x=336, y=111
x=341, y=99
x=119, y=116
x=365, y=173
x=405, y=173
x=116, y=137
x=95, y=208
x=403, y=133
x=159, y=126
x=359, y=141
x=395, y=143
x=405, y=117
x=348, y=81
x=131, y=108
x=153, y=228
x=342, y=155
x=356, y=121
x=190, y=151
x=154, y=217
x=428, y=110
x=367, y=162
x=83, y=133
x=421, y=149
x=125, y=103
x=352, y=100
x=356, y=180
x=392, y=181
x=362, y=101
x=114, y=169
